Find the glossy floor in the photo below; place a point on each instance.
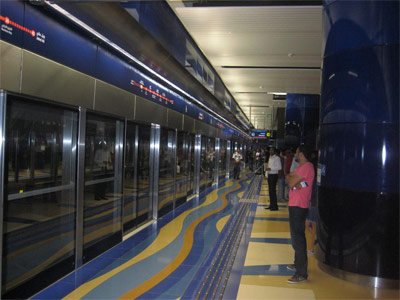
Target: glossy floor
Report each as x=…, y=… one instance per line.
x=269, y=251
x=167, y=258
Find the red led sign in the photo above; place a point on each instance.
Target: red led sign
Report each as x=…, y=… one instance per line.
x=142, y=87
x=9, y=22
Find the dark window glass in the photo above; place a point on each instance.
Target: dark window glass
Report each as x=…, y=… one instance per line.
x=222, y=159
x=130, y=177
x=190, y=168
x=166, y=172
x=143, y=173
x=234, y=147
x=39, y=214
x=184, y=167
x=102, y=205
x=207, y=162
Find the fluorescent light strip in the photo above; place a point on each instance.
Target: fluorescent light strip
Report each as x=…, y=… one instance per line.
x=128, y=55
x=276, y=93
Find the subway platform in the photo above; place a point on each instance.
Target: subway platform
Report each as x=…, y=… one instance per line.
x=222, y=244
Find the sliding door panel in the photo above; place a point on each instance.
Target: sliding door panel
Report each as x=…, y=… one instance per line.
x=166, y=188
x=40, y=206
x=103, y=189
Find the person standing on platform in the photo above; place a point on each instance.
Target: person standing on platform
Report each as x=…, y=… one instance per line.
x=300, y=182
x=273, y=167
x=237, y=159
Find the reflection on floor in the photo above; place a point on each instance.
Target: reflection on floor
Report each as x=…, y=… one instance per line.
x=162, y=260
x=264, y=274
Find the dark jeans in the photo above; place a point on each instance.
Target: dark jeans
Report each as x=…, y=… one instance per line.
x=297, y=219
x=272, y=180
x=211, y=169
x=259, y=167
x=236, y=171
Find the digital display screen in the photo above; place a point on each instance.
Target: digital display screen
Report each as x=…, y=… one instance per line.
x=261, y=134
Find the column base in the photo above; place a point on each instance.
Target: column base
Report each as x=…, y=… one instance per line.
x=360, y=279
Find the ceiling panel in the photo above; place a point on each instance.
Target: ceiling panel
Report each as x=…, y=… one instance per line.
x=271, y=80
x=259, y=50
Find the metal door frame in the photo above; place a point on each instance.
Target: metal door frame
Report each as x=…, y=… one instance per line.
x=216, y=160
x=119, y=167
x=123, y=176
x=228, y=158
x=197, y=152
x=154, y=168
x=3, y=108
x=80, y=187
x=135, y=172
x=175, y=159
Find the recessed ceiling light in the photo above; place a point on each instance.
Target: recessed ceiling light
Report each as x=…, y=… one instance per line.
x=276, y=93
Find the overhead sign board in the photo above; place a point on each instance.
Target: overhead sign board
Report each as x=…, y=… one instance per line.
x=261, y=134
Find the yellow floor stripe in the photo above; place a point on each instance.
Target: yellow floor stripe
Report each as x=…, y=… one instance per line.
x=270, y=226
x=320, y=284
x=221, y=223
x=167, y=234
x=187, y=246
x=268, y=254
x=270, y=292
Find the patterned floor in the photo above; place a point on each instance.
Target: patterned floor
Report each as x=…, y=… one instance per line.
x=166, y=259
x=269, y=252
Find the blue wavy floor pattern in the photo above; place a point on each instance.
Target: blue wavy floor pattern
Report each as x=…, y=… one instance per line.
x=141, y=272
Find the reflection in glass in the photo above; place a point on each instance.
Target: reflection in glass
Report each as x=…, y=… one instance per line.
x=130, y=184
x=222, y=159
x=102, y=204
x=184, y=167
x=136, y=175
x=181, y=169
x=234, y=147
x=166, y=188
x=143, y=174
x=190, y=139
x=39, y=214
x=207, y=162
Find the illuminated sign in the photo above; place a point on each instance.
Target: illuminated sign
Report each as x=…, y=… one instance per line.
x=220, y=125
x=261, y=134
x=8, y=29
x=9, y=25
x=154, y=94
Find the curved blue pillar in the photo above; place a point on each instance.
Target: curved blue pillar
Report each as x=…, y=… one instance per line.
x=358, y=228
x=301, y=120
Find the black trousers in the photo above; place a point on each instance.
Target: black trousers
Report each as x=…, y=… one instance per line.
x=297, y=220
x=272, y=180
x=236, y=171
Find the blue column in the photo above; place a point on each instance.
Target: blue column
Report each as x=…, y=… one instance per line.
x=358, y=228
x=302, y=119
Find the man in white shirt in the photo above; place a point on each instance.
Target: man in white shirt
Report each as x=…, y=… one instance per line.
x=274, y=165
x=237, y=158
